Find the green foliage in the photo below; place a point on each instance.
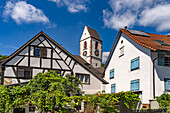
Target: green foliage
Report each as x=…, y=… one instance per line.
x=46, y=91
x=2, y=57
x=129, y=99
x=109, y=102
x=4, y=99
x=164, y=100
x=52, y=92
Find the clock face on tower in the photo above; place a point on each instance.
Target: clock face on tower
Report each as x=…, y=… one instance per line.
x=84, y=53
x=96, y=52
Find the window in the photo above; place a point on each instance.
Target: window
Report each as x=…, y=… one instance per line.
x=135, y=85
x=162, y=42
x=85, y=45
x=167, y=84
x=111, y=73
x=96, y=45
x=113, y=88
x=37, y=52
x=84, y=78
x=121, y=51
x=135, y=64
x=24, y=73
x=163, y=59
x=40, y=52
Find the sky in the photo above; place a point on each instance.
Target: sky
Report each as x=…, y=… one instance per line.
x=64, y=20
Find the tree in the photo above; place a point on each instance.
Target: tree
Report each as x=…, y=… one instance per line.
x=3, y=56
x=49, y=90
x=46, y=91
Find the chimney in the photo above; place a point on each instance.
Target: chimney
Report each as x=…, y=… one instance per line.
x=125, y=27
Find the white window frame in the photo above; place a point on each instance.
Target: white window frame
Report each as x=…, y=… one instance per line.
x=78, y=75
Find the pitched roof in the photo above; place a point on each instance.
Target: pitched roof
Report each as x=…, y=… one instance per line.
x=93, y=33
x=147, y=41
x=150, y=42
x=58, y=45
x=95, y=70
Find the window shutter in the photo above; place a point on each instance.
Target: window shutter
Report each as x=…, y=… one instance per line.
x=160, y=59
x=167, y=84
x=43, y=52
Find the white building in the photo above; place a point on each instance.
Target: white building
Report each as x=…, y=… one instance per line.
x=91, y=47
x=132, y=59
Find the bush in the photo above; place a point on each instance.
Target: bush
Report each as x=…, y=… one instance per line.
x=109, y=103
x=164, y=101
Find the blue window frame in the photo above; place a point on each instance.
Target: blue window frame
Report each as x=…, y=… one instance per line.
x=113, y=88
x=111, y=73
x=135, y=85
x=37, y=51
x=167, y=84
x=135, y=64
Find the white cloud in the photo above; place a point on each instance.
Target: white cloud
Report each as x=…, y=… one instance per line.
x=73, y=6
x=104, y=56
x=158, y=16
x=137, y=12
x=21, y=12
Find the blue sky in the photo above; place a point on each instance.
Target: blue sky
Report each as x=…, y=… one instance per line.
x=64, y=20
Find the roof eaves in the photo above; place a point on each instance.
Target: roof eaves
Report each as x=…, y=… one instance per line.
x=138, y=41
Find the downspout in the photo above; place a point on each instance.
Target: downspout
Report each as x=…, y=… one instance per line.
x=154, y=77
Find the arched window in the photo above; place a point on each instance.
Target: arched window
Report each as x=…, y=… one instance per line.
x=96, y=45
x=85, y=45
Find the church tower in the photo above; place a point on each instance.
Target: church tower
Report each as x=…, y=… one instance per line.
x=91, y=47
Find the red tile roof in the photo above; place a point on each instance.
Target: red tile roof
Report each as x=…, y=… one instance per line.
x=149, y=41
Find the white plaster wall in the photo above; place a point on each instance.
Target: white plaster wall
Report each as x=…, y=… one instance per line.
x=95, y=84
x=85, y=33
x=24, y=52
x=35, y=62
x=36, y=71
x=9, y=71
x=122, y=68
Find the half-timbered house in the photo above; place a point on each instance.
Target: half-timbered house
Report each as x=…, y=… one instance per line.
x=42, y=54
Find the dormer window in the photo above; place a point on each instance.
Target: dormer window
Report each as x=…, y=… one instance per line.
x=40, y=52
x=85, y=45
x=96, y=45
